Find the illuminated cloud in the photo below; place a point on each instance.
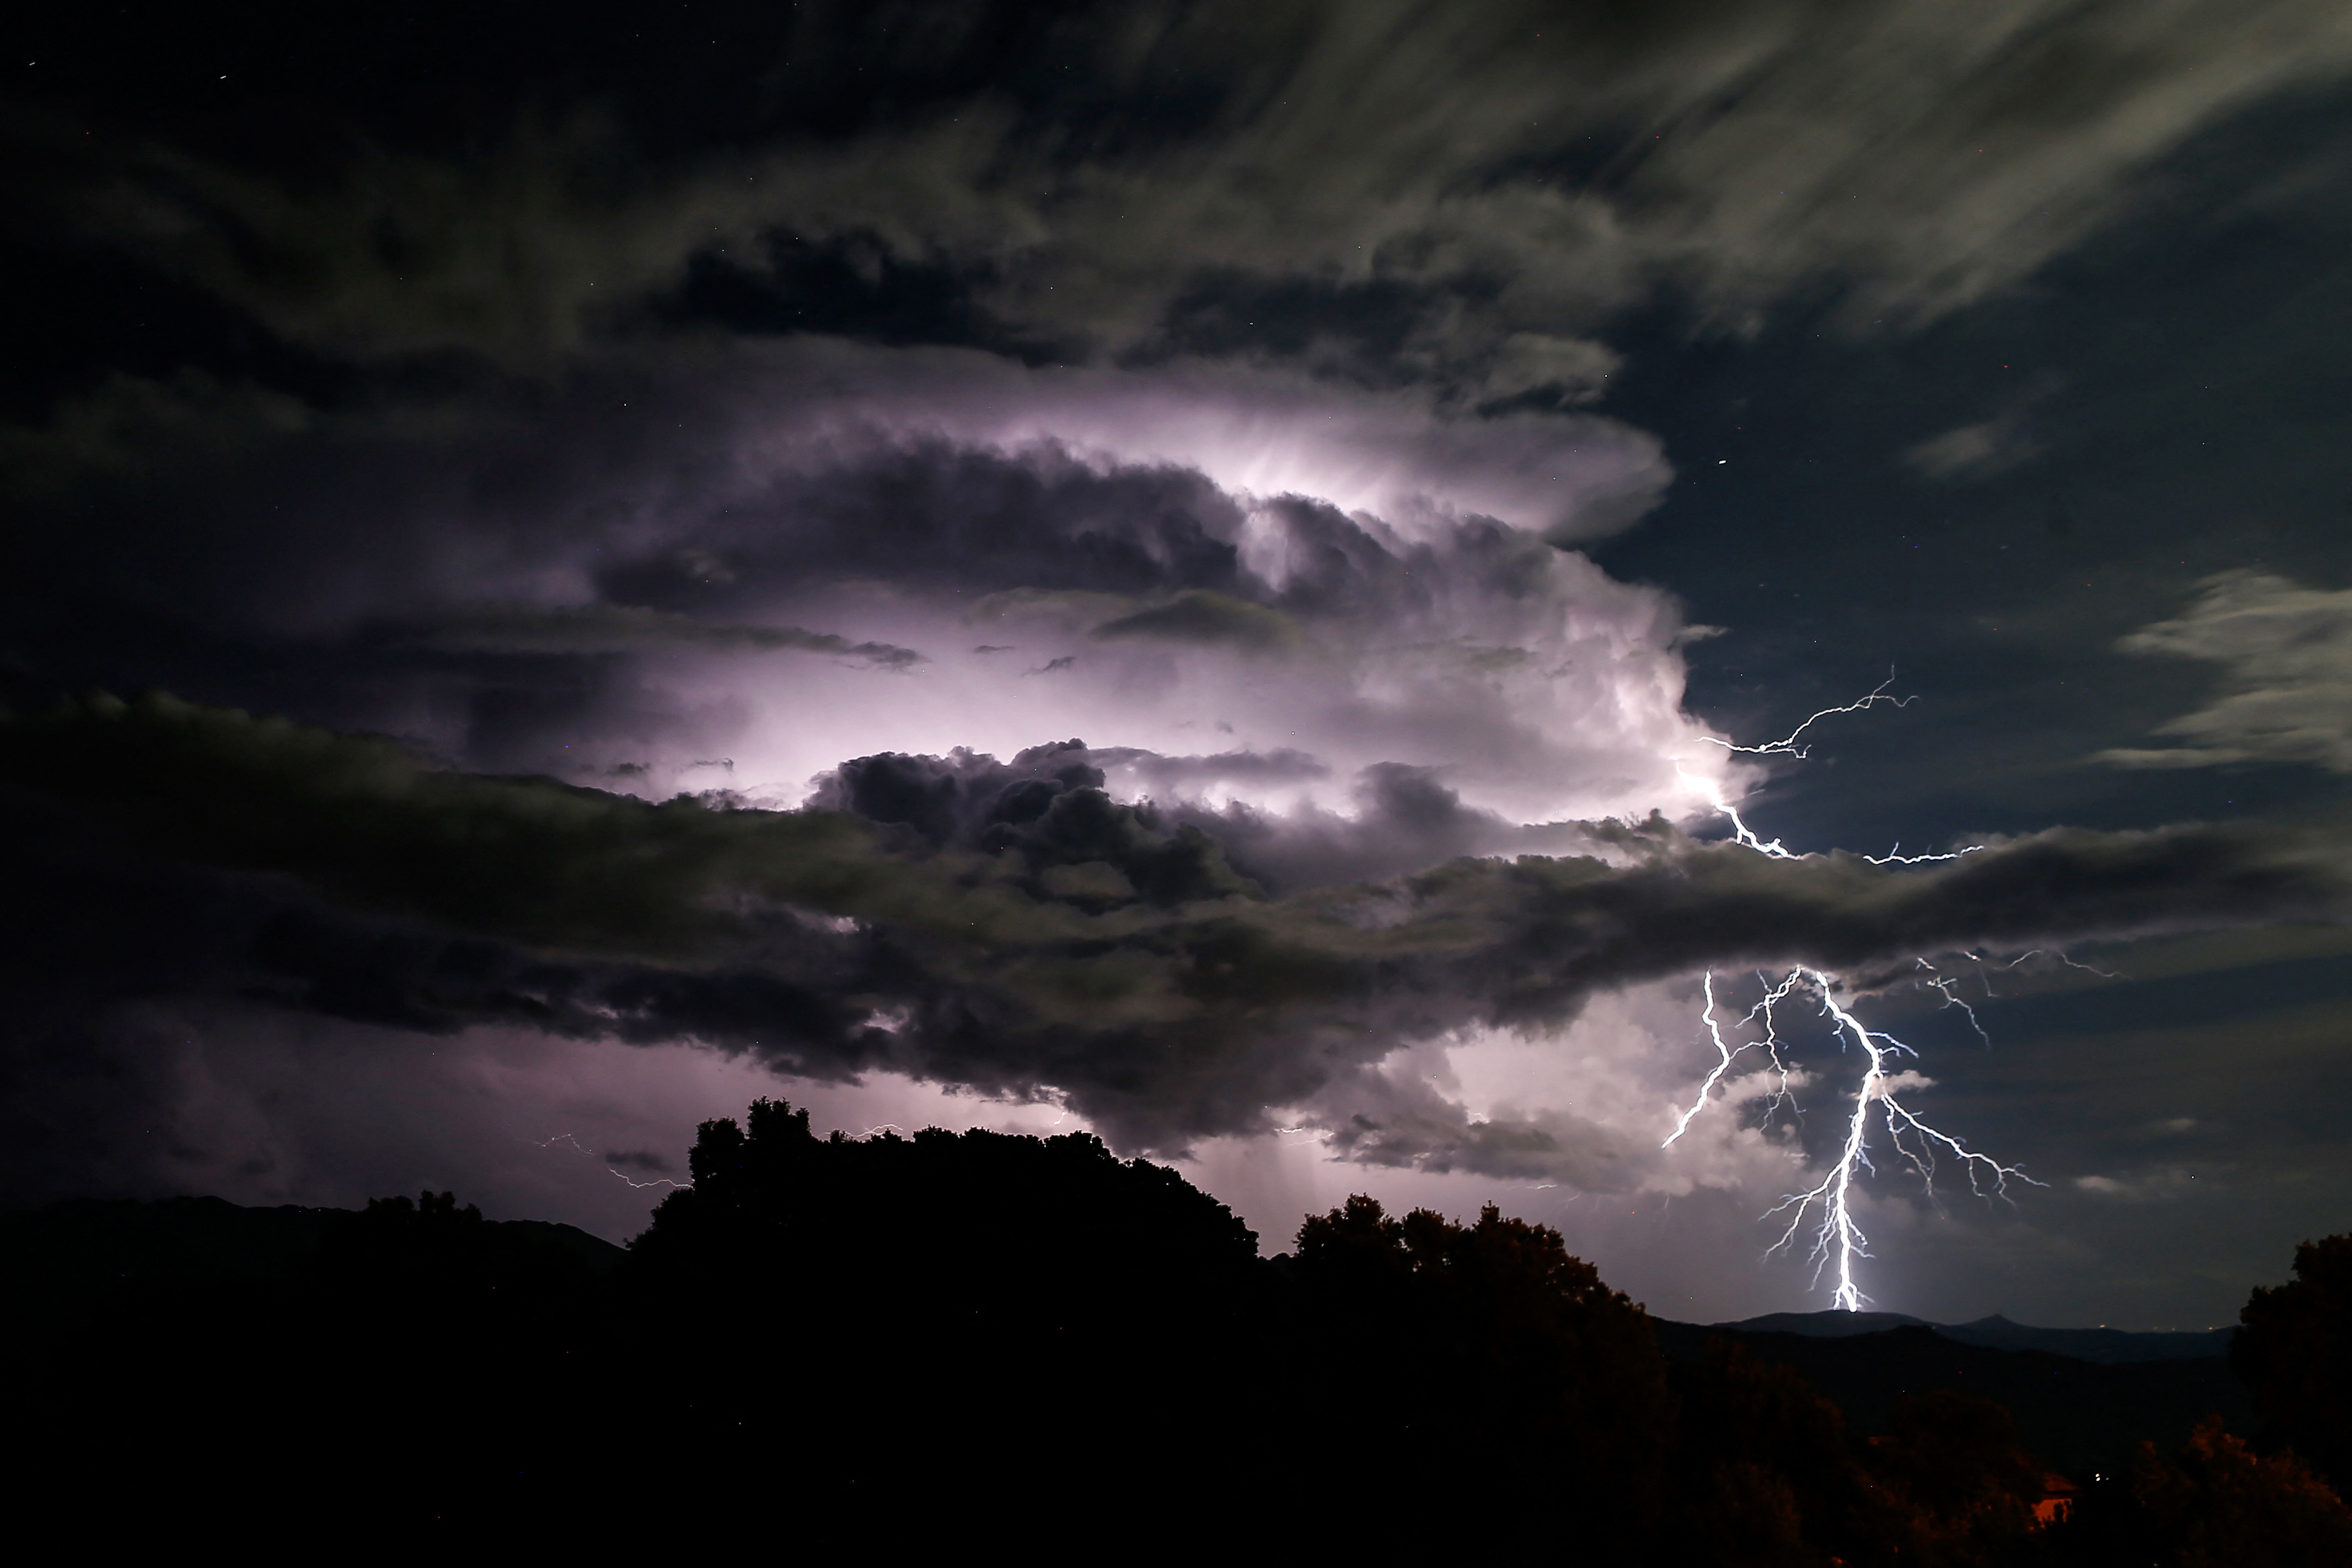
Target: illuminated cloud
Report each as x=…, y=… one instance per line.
x=1405, y=454
x=1039, y=553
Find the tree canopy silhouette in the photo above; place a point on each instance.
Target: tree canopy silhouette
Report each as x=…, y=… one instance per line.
x=992, y=1313
x=827, y=1340
x=1492, y=1358
x=2295, y=1349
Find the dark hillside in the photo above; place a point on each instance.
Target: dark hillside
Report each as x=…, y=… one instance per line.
x=947, y=1320
x=81, y=1254
x=2078, y=1416
x=2104, y=1345
x=176, y=1356
x=1099, y=1328
x=935, y=1344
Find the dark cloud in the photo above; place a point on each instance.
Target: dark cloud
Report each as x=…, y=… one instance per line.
x=1196, y=616
x=1400, y=1122
x=1010, y=927
x=621, y=628
x=1404, y=818
x=975, y=192
x=927, y=514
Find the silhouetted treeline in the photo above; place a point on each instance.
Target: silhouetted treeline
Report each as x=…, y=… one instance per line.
x=980, y=1342
x=2295, y=1349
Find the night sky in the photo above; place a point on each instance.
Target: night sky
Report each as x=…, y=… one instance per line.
x=1192, y=570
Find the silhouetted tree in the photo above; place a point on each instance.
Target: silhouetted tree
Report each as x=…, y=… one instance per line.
x=1485, y=1356
x=950, y=1319
x=1954, y=1462
x=2295, y=1349
x=1769, y=1474
x=2216, y=1503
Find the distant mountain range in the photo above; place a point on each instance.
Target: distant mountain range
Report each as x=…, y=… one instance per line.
x=2107, y=1347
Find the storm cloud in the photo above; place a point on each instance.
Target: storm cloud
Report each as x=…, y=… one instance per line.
x=1010, y=927
x=1192, y=567
x=1176, y=170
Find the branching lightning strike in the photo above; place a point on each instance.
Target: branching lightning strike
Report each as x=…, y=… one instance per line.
x=1837, y=1238
x=1787, y=745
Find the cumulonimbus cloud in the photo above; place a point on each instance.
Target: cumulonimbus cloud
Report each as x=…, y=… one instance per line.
x=1400, y=453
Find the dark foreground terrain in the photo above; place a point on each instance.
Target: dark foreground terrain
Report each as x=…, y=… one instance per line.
x=2078, y=1416
x=976, y=1342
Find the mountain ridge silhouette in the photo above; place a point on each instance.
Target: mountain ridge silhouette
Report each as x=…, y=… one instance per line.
x=2101, y=1346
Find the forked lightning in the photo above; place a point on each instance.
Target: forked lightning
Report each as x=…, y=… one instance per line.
x=1838, y=1239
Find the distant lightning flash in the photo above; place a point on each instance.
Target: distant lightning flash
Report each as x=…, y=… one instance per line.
x=583, y=1152
x=1838, y=1237
x=651, y=1181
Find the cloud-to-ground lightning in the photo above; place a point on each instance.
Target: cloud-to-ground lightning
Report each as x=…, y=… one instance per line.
x=1839, y=1236
x=1838, y=1239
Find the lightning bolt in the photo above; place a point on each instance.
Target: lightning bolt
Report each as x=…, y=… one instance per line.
x=583, y=1152
x=1787, y=745
x=655, y=1181
x=1837, y=1236
x=2047, y=952
x=1942, y=986
x=1770, y=1044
